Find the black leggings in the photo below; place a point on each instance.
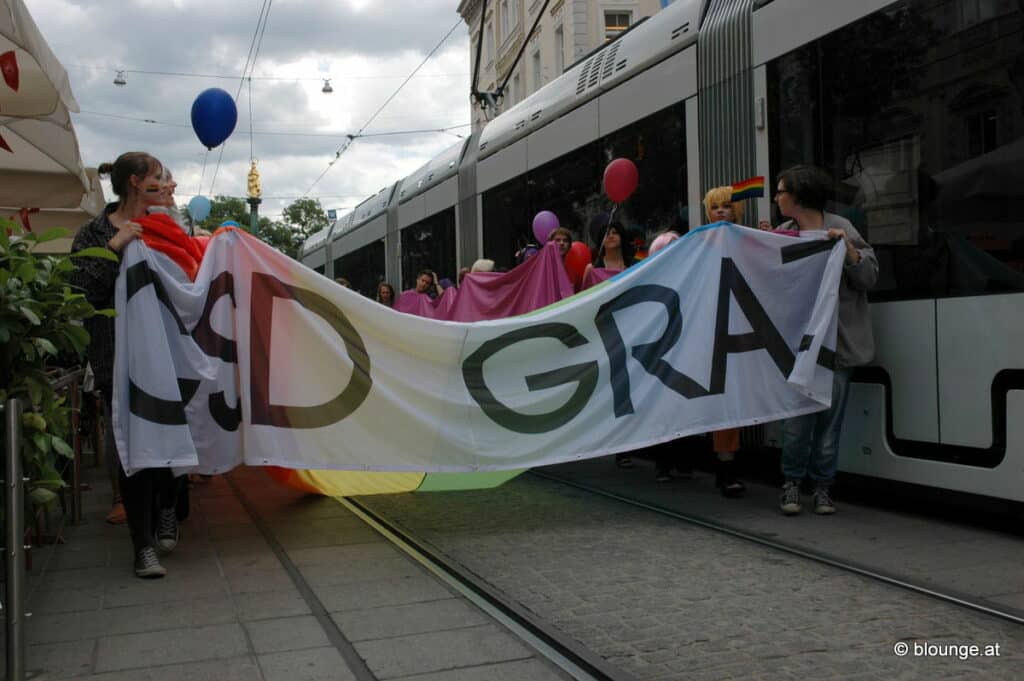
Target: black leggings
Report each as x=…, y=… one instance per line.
x=144, y=493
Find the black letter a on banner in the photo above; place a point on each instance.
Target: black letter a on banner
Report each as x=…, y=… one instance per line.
x=764, y=334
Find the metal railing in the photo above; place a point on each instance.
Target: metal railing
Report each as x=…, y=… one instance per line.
x=14, y=542
x=14, y=547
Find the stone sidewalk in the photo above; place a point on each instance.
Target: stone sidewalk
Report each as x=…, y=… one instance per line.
x=266, y=584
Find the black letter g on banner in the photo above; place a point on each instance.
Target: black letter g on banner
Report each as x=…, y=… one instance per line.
x=585, y=375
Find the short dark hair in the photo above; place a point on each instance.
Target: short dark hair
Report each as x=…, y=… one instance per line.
x=810, y=186
x=560, y=231
x=429, y=273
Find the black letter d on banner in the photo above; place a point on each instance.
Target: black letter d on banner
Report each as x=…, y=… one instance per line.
x=266, y=287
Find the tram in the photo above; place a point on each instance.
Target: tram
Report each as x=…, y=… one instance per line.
x=915, y=108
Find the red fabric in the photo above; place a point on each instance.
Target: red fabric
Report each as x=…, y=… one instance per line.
x=202, y=242
x=161, y=233
x=23, y=215
x=4, y=145
x=9, y=67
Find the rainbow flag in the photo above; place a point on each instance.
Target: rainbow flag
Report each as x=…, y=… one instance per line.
x=751, y=188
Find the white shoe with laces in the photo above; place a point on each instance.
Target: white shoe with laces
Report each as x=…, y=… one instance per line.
x=147, y=565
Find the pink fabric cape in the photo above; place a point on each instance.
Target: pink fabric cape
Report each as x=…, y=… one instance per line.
x=536, y=283
x=596, y=275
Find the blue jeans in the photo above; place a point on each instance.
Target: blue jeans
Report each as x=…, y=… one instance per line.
x=810, y=443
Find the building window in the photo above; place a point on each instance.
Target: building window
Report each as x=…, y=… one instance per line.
x=981, y=133
x=517, y=89
x=505, y=19
x=536, y=71
x=615, y=23
x=973, y=11
x=559, y=51
x=490, y=43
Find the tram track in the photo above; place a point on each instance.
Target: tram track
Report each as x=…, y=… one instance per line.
x=854, y=567
x=564, y=652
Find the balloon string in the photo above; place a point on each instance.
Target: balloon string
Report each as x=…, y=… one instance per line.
x=202, y=175
x=608, y=228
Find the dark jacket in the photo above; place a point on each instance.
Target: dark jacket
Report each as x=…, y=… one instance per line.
x=95, y=277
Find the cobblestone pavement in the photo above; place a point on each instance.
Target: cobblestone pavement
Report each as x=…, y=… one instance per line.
x=947, y=554
x=666, y=600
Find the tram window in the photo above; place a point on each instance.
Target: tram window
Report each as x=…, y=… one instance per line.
x=320, y=269
x=429, y=245
x=570, y=186
x=363, y=267
x=506, y=221
x=924, y=136
x=657, y=144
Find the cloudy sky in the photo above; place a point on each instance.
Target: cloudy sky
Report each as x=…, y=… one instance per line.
x=366, y=49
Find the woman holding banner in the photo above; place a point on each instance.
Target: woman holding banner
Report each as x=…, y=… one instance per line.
x=810, y=445
x=137, y=179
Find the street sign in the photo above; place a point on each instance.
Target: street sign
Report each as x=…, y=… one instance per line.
x=332, y=214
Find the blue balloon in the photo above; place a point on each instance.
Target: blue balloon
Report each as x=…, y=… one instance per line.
x=214, y=116
x=199, y=208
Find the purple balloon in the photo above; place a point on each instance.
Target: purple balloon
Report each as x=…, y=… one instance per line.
x=544, y=223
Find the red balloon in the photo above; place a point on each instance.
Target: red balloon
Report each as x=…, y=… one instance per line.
x=620, y=179
x=577, y=259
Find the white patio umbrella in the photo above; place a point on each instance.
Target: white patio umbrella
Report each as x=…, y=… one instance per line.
x=40, y=164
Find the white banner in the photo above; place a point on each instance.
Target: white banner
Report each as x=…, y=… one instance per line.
x=263, y=361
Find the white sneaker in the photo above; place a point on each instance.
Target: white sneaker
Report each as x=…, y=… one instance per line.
x=147, y=565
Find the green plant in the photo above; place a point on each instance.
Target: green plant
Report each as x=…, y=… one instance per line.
x=40, y=330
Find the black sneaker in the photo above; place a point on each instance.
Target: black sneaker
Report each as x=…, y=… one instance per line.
x=823, y=504
x=663, y=476
x=726, y=481
x=147, y=565
x=623, y=461
x=789, y=501
x=167, y=532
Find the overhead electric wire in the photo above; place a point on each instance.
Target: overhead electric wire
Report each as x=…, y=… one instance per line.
x=479, y=49
x=348, y=143
x=522, y=48
x=225, y=76
x=282, y=133
x=250, y=63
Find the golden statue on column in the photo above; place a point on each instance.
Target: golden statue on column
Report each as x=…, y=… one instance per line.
x=254, y=182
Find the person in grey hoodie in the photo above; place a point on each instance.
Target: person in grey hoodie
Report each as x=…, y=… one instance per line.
x=810, y=444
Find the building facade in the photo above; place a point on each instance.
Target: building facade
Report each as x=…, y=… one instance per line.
x=568, y=30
